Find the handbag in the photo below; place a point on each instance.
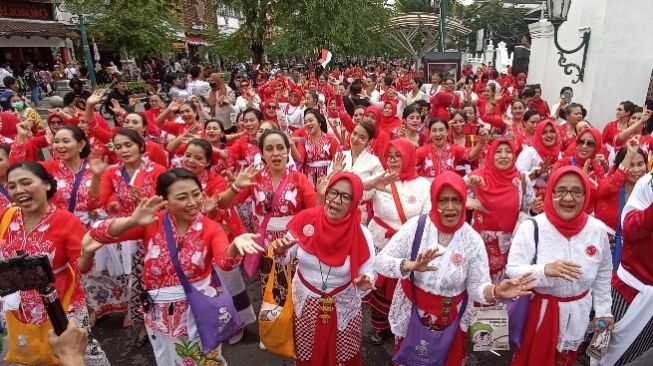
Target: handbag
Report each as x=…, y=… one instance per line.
x=276, y=322
x=252, y=261
x=216, y=317
x=73, y=194
x=518, y=308
x=28, y=343
x=421, y=346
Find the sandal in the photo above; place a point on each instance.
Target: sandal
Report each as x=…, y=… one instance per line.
x=142, y=339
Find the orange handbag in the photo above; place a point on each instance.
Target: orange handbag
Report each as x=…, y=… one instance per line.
x=275, y=322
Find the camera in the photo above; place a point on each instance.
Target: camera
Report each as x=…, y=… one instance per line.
x=24, y=273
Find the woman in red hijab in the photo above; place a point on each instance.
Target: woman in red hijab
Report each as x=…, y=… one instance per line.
x=338, y=121
x=538, y=160
x=374, y=116
x=335, y=262
x=501, y=192
x=446, y=266
x=391, y=122
x=588, y=146
x=568, y=253
x=393, y=204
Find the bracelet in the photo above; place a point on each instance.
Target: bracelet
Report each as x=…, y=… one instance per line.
x=235, y=188
x=401, y=265
x=494, y=293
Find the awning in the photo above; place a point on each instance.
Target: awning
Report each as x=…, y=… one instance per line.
x=11, y=28
x=197, y=41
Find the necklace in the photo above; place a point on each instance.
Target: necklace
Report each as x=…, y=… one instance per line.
x=444, y=239
x=324, y=281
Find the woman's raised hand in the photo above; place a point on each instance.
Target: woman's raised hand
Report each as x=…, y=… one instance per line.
x=145, y=212
x=245, y=178
x=568, y=270
x=98, y=163
x=96, y=97
x=475, y=180
x=246, y=244
x=364, y=283
x=89, y=245
x=280, y=245
x=339, y=162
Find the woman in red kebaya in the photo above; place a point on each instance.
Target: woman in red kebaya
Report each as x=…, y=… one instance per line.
x=201, y=242
x=243, y=151
x=411, y=126
x=588, y=145
x=444, y=101
x=319, y=148
x=524, y=130
x=332, y=237
x=573, y=115
x=197, y=159
x=493, y=106
x=457, y=133
x=501, y=193
x=278, y=194
x=629, y=165
x=123, y=186
x=132, y=121
x=537, y=160
x=38, y=227
x=440, y=155
x=338, y=121
x=374, y=116
x=391, y=122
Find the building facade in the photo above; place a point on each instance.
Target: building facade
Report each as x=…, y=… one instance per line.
x=35, y=31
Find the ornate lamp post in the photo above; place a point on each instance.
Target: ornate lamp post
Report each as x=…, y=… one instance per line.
x=557, y=11
x=79, y=20
x=442, y=5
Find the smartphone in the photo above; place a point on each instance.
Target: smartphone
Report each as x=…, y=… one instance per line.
x=567, y=95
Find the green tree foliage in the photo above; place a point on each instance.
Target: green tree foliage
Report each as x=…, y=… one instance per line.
x=500, y=23
x=140, y=28
x=301, y=27
x=410, y=6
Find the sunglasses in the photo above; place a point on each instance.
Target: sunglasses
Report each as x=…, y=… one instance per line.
x=588, y=143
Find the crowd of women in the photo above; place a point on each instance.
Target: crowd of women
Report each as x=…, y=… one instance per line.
x=426, y=203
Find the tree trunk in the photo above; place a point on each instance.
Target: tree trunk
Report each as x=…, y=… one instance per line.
x=257, y=52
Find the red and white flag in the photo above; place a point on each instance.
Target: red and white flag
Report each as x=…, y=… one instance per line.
x=326, y=57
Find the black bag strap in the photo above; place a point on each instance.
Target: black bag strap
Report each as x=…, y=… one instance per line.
x=536, y=237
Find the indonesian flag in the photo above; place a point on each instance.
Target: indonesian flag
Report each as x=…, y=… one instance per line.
x=326, y=57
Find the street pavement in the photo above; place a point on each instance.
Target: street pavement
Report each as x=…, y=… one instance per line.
x=118, y=343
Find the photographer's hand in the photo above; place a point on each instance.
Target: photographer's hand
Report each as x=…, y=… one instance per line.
x=70, y=346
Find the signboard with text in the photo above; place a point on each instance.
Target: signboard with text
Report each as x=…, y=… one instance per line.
x=26, y=10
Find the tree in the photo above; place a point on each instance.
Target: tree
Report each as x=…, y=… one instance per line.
x=500, y=23
x=140, y=28
x=410, y=6
x=340, y=25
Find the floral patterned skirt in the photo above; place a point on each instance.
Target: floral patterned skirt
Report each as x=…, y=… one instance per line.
x=106, y=294
x=181, y=351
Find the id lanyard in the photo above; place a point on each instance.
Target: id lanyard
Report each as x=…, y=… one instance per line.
x=616, y=256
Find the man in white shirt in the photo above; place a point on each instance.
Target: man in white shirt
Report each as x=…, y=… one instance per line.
x=248, y=97
x=3, y=74
x=70, y=71
x=195, y=86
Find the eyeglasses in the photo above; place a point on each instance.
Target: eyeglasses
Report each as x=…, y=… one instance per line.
x=588, y=143
x=396, y=157
x=562, y=192
x=332, y=194
x=244, y=85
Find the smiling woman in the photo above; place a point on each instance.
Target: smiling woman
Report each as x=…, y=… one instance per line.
x=38, y=227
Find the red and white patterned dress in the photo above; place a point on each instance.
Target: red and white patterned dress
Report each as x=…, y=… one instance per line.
x=317, y=156
x=169, y=320
x=298, y=195
x=432, y=162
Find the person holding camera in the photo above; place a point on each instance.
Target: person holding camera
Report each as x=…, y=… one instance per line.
x=36, y=226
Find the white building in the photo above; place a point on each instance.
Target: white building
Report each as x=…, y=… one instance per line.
x=229, y=20
x=619, y=56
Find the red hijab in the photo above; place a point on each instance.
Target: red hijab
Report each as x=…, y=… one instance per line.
x=550, y=153
x=408, y=158
x=455, y=182
x=575, y=225
x=500, y=194
x=298, y=100
x=597, y=137
x=329, y=112
x=378, y=116
x=389, y=124
x=333, y=241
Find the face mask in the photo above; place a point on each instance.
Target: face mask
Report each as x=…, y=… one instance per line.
x=17, y=105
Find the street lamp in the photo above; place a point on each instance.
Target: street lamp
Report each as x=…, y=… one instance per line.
x=79, y=20
x=442, y=23
x=557, y=11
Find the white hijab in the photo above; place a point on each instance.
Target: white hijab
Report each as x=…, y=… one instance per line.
x=641, y=197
